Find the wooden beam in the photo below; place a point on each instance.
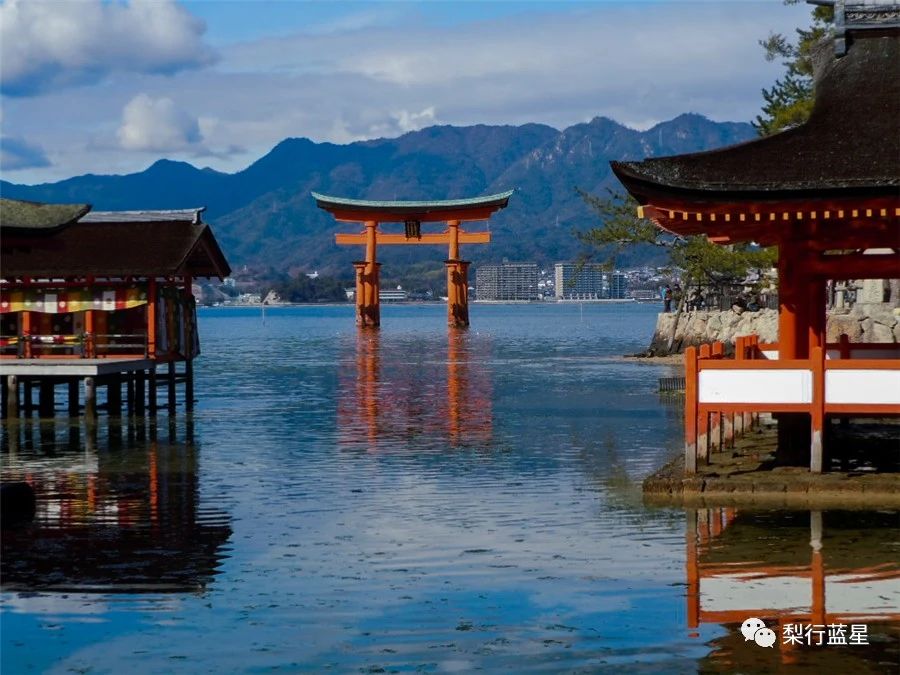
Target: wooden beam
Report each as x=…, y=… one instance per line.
x=857, y=266
x=463, y=216
x=400, y=239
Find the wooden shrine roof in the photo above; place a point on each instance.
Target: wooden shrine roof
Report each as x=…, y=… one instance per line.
x=475, y=208
x=34, y=216
x=116, y=244
x=170, y=215
x=849, y=147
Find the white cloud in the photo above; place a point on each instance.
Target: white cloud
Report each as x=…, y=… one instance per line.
x=46, y=45
x=407, y=121
x=157, y=125
x=17, y=154
x=638, y=66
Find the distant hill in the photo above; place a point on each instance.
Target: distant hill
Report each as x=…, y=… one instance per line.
x=265, y=215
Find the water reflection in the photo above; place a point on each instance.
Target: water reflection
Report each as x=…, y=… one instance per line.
x=401, y=391
x=118, y=510
x=812, y=568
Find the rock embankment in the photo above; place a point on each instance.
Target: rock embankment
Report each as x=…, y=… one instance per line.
x=864, y=323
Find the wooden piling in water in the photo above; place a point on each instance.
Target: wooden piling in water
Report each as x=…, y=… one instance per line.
x=46, y=398
x=12, y=396
x=189, y=385
x=140, y=381
x=114, y=396
x=129, y=392
x=73, y=404
x=170, y=387
x=151, y=390
x=28, y=397
x=90, y=397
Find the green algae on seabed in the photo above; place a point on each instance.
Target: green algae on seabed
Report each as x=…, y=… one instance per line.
x=863, y=473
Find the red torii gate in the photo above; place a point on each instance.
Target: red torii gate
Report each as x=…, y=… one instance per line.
x=412, y=214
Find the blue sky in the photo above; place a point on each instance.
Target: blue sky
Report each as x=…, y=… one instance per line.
x=89, y=86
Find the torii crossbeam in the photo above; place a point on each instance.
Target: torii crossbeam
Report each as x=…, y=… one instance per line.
x=412, y=214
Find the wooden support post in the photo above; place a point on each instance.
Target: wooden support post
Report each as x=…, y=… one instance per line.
x=114, y=396
x=151, y=390
x=140, y=381
x=690, y=410
x=844, y=346
x=28, y=396
x=90, y=340
x=170, y=388
x=129, y=392
x=717, y=436
x=359, y=268
x=151, y=318
x=703, y=416
x=189, y=384
x=457, y=293
x=817, y=411
x=12, y=396
x=371, y=311
x=72, y=386
x=26, y=335
x=46, y=401
x=90, y=398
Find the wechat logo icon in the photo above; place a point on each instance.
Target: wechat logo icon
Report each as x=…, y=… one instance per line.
x=756, y=630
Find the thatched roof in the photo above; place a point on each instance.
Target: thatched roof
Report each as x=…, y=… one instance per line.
x=33, y=216
x=112, y=244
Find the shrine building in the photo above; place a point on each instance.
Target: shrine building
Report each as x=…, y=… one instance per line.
x=103, y=299
x=827, y=194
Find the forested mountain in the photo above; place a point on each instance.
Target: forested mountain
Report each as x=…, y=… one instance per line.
x=264, y=214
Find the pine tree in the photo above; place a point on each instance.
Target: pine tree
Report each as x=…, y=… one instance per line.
x=789, y=101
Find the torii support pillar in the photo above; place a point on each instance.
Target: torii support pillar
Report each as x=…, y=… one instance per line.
x=457, y=293
x=457, y=281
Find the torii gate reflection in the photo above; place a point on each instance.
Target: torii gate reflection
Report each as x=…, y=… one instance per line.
x=394, y=402
x=412, y=214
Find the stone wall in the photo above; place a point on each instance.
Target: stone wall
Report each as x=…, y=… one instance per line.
x=864, y=323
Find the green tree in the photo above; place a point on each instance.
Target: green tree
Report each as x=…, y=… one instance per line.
x=701, y=262
x=789, y=101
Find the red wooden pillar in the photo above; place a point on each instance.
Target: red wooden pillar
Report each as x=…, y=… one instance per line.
x=690, y=410
x=817, y=359
x=90, y=337
x=359, y=268
x=151, y=318
x=703, y=417
x=457, y=281
x=794, y=276
x=371, y=311
x=792, y=318
x=26, y=334
x=716, y=433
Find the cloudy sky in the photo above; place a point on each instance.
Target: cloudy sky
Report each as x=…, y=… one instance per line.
x=91, y=86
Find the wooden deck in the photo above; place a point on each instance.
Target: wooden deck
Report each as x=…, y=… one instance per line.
x=73, y=367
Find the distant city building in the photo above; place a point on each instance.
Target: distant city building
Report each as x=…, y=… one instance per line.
x=644, y=295
x=618, y=286
x=590, y=282
x=507, y=281
x=393, y=295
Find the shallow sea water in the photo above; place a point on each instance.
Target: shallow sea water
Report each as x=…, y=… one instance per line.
x=416, y=500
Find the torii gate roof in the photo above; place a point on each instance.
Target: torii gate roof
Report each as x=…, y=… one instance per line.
x=358, y=210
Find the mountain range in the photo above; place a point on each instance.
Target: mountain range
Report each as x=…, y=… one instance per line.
x=264, y=214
